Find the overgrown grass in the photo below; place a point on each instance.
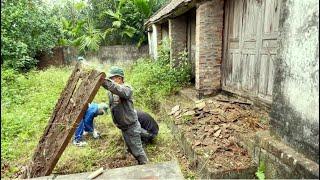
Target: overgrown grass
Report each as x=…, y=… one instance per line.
x=29, y=99
x=27, y=102
x=154, y=80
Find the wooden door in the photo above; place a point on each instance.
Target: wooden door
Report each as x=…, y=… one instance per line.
x=250, y=43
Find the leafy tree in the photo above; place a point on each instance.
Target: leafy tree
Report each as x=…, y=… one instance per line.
x=123, y=20
x=27, y=28
x=78, y=27
x=91, y=40
x=105, y=22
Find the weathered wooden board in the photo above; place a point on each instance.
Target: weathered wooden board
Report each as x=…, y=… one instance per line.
x=80, y=90
x=250, y=44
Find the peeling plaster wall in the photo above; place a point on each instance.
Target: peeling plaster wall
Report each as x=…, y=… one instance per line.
x=106, y=54
x=150, y=43
x=178, y=37
x=156, y=39
x=295, y=108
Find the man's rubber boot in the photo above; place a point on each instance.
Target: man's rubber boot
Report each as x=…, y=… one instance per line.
x=142, y=160
x=129, y=151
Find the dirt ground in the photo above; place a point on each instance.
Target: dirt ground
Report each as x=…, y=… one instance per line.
x=213, y=125
x=110, y=152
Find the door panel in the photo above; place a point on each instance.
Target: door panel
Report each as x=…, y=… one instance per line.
x=250, y=47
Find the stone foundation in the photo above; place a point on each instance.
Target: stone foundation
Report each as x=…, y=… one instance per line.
x=281, y=161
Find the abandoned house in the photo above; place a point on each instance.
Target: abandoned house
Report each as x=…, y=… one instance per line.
x=263, y=50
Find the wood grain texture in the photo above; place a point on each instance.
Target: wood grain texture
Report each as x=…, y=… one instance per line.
x=250, y=46
x=79, y=91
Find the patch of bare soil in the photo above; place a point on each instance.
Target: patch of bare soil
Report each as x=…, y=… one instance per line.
x=120, y=161
x=4, y=167
x=160, y=152
x=213, y=126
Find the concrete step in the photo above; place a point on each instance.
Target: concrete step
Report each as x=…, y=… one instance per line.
x=164, y=170
x=281, y=161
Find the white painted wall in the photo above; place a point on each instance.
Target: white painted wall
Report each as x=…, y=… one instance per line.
x=294, y=113
x=301, y=85
x=154, y=41
x=150, y=44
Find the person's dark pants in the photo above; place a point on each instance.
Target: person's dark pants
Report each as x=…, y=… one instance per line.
x=132, y=139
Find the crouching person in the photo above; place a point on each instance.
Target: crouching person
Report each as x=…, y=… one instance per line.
x=123, y=113
x=86, y=125
x=149, y=127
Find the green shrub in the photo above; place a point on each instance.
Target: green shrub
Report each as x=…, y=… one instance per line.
x=154, y=79
x=27, y=28
x=27, y=101
x=261, y=170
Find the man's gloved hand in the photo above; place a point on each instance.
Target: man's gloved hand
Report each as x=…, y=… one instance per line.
x=104, y=107
x=96, y=134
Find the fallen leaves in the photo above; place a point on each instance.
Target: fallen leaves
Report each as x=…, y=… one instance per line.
x=197, y=143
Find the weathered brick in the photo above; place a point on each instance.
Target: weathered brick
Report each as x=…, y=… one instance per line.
x=209, y=27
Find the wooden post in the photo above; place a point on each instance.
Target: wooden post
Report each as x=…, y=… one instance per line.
x=80, y=90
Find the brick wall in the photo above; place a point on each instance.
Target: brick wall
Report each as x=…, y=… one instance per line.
x=178, y=37
x=209, y=32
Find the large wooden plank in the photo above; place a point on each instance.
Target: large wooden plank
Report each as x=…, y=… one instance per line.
x=80, y=90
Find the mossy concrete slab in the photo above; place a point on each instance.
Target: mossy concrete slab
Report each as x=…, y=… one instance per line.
x=165, y=170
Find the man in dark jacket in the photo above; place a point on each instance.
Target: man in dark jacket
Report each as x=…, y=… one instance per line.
x=149, y=127
x=123, y=113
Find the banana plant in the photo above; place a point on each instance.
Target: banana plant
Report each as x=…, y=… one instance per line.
x=122, y=22
x=119, y=23
x=144, y=6
x=79, y=31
